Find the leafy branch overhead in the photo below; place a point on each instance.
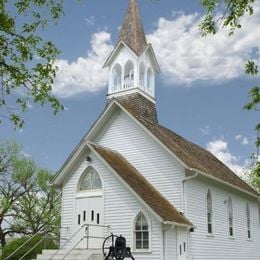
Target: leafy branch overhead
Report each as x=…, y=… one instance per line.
x=27, y=69
x=228, y=14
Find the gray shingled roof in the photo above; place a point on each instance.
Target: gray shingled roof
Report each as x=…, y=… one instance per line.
x=192, y=155
x=143, y=188
x=132, y=31
x=138, y=105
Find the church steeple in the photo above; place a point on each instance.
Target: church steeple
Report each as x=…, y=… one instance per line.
x=132, y=31
x=132, y=64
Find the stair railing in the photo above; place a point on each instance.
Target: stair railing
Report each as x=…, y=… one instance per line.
x=40, y=232
x=73, y=235
x=28, y=252
x=86, y=236
x=21, y=246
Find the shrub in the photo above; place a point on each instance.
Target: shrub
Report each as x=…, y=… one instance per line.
x=16, y=243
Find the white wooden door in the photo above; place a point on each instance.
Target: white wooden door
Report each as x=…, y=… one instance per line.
x=182, y=244
x=96, y=220
x=89, y=216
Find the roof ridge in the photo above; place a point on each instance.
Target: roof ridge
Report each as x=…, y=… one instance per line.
x=201, y=155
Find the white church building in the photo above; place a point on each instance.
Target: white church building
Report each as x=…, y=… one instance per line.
x=129, y=175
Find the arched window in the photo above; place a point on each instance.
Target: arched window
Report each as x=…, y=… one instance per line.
x=90, y=180
x=117, y=78
x=209, y=212
x=150, y=81
x=141, y=232
x=129, y=75
x=142, y=75
x=230, y=217
x=248, y=221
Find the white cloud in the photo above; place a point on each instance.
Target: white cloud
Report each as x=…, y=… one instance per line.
x=185, y=56
x=205, y=130
x=242, y=139
x=220, y=149
x=86, y=73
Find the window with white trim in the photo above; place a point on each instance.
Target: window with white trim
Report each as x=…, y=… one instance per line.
x=248, y=221
x=209, y=212
x=230, y=217
x=141, y=232
x=90, y=180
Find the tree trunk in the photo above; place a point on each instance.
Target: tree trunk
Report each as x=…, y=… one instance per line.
x=2, y=238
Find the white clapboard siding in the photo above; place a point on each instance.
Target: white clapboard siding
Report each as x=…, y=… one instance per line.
x=121, y=208
x=68, y=203
x=170, y=244
x=220, y=246
x=124, y=135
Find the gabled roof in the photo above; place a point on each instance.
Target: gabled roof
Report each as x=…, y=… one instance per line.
x=189, y=154
x=120, y=44
x=196, y=157
x=142, y=187
x=192, y=155
x=132, y=31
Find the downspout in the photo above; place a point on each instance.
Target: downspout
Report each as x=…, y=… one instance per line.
x=164, y=245
x=184, y=203
x=183, y=190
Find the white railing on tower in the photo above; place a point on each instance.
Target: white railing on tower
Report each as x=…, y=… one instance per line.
x=128, y=84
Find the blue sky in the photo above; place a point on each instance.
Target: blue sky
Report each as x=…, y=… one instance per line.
x=200, y=91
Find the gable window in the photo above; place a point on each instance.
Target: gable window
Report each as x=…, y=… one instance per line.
x=230, y=217
x=248, y=221
x=90, y=180
x=141, y=232
x=209, y=212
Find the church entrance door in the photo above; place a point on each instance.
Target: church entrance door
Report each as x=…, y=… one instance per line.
x=89, y=220
x=182, y=245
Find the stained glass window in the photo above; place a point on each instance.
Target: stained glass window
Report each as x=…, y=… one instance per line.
x=90, y=180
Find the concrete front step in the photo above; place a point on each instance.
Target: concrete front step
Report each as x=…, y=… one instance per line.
x=76, y=254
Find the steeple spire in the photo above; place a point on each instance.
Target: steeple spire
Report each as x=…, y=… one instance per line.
x=132, y=31
x=132, y=64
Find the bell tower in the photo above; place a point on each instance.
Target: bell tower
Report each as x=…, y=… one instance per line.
x=132, y=64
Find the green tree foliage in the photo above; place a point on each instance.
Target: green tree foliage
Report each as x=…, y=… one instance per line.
x=39, y=208
x=255, y=176
x=228, y=14
x=15, y=175
x=28, y=203
x=43, y=243
x=27, y=69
